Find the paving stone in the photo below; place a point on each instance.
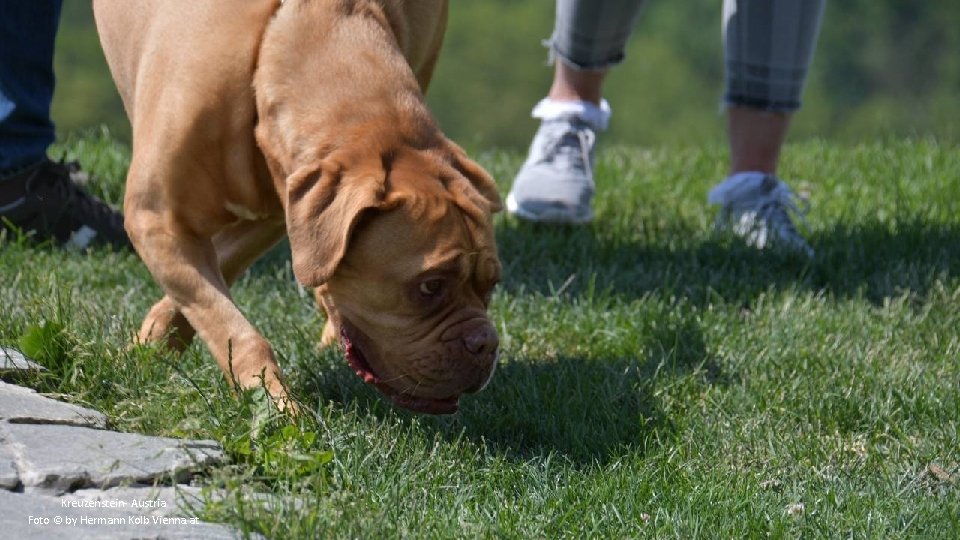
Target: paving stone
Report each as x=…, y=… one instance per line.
x=14, y=360
x=48, y=447
x=58, y=458
x=24, y=406
x=178, y=501
x=32, y=516
x=149, y=500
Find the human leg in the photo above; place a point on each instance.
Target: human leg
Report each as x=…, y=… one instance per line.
x=38, y=196
x=572, y=85
x=768, y=49
x=28, y=31
x=755, y=137
x=556, y=181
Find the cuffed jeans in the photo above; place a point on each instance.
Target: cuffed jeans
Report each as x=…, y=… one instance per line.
x=28, y=30
x=768, y=44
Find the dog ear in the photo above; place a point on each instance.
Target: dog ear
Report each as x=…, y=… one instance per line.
x=323, y=208
x=478, y=177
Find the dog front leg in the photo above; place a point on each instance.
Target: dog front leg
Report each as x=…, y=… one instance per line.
x=237, y=246
x=187, y=267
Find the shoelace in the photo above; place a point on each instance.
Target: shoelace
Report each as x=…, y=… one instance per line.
x=772, y=217
x=560, y=144
x=781, y=205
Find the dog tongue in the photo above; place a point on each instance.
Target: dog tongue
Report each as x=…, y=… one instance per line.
x=363, y=370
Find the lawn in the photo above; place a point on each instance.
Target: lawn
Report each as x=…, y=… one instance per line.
x=656, y=379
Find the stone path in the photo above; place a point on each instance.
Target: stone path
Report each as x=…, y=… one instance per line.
x=64, y=475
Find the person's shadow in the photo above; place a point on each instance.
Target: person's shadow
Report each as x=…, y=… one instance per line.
x=871, y=260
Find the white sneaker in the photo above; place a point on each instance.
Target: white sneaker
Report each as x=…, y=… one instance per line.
x=555, y=184
x=757, y=207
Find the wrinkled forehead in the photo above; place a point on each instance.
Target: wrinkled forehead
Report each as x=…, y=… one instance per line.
x=418, y=235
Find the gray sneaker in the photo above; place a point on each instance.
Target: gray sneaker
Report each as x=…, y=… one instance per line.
x=555, y=184
x=757, y=208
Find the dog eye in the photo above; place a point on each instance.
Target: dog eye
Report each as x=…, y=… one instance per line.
x=431, y=287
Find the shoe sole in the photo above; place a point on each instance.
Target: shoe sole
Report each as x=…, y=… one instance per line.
x=557, y=217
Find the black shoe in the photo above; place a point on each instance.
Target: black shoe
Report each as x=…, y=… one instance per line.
x=46, y=204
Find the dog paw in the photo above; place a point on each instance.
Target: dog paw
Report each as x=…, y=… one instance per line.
x=166, y=325
x=330, y=335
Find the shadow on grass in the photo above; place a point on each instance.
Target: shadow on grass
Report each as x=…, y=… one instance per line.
x=596, y=408
x=873, y=260
x=585, y=410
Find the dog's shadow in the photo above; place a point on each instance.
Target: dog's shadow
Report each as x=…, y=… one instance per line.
x=581, y=409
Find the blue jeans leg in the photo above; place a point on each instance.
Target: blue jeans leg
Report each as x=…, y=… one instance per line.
x=28, y=31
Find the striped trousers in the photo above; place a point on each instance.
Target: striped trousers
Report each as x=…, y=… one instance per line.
x=768, y=45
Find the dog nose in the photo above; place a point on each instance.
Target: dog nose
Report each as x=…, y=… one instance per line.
x=481, y=340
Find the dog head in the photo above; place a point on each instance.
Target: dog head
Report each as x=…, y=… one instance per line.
x=403, y=257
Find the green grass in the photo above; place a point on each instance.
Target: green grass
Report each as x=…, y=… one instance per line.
x=657, y=378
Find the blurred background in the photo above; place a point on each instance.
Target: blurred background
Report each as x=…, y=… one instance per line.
x=883, y=68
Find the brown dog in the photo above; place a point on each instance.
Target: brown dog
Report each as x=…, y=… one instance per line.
x=257, y=118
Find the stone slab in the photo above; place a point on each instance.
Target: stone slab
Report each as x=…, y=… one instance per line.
x=170, y=501
x=55, y=458
x=149, y=500
x=25, y=406
x=177, y=501
x=32, y=516
x=13, y=360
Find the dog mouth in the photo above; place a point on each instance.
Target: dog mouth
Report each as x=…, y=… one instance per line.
x=358, y=362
